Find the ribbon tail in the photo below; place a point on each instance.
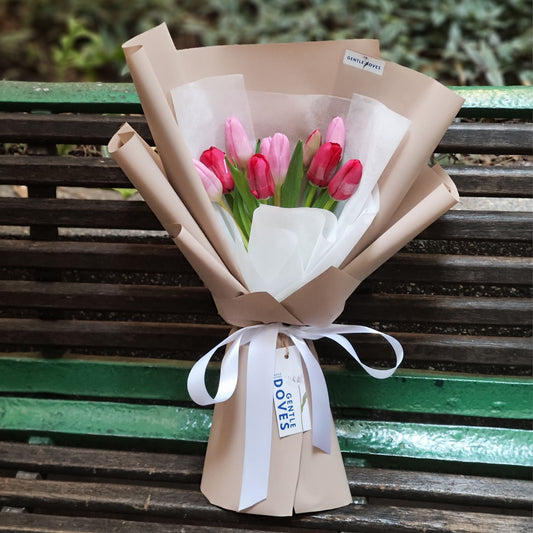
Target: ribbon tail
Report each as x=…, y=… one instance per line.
x=258, y=433
x=320, y=409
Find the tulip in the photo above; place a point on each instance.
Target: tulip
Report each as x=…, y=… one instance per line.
x=336, y=132
x=311, y=146
x=346, y=180
x=215, y=159
x=211, y=183
x=237, y=142
x=324, y=164
x=260, y=177
x=277, y=150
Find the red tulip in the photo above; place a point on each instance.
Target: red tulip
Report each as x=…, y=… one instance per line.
x=346, y=180
x=215, y=159
x=324, y=164
x=260, y=177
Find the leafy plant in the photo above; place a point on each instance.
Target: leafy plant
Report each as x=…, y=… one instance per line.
x=81, y=50
x=470, y=42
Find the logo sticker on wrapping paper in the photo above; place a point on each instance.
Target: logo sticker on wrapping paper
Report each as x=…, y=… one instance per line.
x=290, y=396
x=366, y=63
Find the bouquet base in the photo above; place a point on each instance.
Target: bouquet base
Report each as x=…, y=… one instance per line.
x=302, y=478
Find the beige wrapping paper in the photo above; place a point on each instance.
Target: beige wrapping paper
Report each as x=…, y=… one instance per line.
x=301, y=477
x=412, y=196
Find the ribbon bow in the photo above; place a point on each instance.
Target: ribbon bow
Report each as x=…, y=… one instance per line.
x=262, y=341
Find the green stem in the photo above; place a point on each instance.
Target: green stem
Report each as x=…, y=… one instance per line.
x=277, y=195
x=222, y=204
x=330, y=204
x=310, y=194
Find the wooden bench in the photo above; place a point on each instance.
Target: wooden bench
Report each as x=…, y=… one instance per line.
x=101, y=318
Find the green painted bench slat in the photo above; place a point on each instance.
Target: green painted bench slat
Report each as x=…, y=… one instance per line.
x=408, y=390
x=122, y=98
x=179, y=426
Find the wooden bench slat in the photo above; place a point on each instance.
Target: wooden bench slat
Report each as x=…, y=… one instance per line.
x=69, y=171
x=173, y=336
x=65, y=171
x=181, y=503
x=509, y=226
x=498, y=138
x=445, y=309
x=79, y=214
x=123, y=256
x=470, y=225
x=67, y=129
x=428, y=486
x=38, y=522
x=494, y=138
x=501, y=181
x=105, y=296
x=200, y=338
x=360, y=308
x=441, y=268
x=407, y=391
x=176, y=428
x=167, y=258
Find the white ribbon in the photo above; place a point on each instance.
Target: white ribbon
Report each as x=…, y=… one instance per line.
x=262, y=341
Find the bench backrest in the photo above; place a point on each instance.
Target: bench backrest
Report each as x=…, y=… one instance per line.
x=101, y=317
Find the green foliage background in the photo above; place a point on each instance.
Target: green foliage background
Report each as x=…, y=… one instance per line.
x=459, y=42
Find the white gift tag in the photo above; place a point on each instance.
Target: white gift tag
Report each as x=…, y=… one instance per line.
x=290, y=397
x=360, y=61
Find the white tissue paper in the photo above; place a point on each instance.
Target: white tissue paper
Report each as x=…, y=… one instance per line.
x=288, y=247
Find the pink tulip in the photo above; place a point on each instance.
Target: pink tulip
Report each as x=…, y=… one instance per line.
x=346, y=180
x=336, y=132
x=215, y=159
x=260, y=177
x=277, y=150
x=211, y=183
x=324, y=164
x=311, y=146
x=237, y=142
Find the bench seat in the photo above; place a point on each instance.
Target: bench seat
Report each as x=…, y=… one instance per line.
x=101, y=318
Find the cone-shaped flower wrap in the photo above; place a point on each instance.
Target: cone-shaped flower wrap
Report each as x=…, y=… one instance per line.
x=284, y=288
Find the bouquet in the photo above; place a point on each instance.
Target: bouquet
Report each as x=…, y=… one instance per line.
x=282, y=226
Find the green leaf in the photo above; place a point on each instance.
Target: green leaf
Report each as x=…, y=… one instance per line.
x=291, y=188
x=241, y=184
x=241, y=217
x=126, y=193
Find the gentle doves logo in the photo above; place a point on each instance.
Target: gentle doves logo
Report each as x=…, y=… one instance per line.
x=366, y=63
